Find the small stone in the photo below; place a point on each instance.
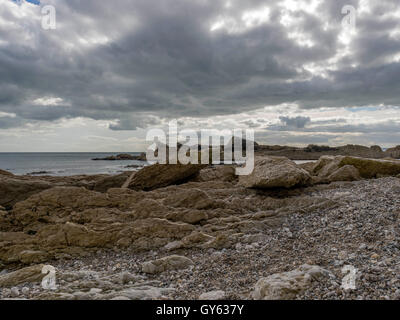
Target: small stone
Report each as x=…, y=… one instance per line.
x=342, y=255
x=173, y=245
x=95, y=291
x=79, y=295
x=25, y=290
x=126, y=277
x=14, y=292
x=288, y=232
x=375, y=256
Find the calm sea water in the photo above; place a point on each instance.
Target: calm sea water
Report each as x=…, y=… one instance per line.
x=63, y=164
x=66, y=164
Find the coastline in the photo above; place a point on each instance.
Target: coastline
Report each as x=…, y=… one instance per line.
x=178, y=232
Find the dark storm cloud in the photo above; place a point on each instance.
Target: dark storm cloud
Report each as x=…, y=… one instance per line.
x=135, y=62
x=298, y=124
x=295, y=122
x=10, y=122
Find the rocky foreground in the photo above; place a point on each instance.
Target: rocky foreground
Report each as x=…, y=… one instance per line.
x=196, y=232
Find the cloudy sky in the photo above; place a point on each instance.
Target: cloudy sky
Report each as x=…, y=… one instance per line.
x=290, y=70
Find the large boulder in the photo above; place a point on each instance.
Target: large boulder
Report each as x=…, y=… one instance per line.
x=275, y=172
x=25, y=275
x=326, y=165
x=287, y=285
x=369, y=168
x=345, y=173
x=163, y=175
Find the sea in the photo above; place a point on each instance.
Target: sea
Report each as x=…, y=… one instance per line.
x=64, y=163
x=68, y=163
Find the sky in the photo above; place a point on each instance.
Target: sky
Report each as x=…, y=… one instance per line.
x=111, y=70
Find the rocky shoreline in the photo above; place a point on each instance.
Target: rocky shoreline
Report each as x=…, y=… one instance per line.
x=201, y=232
x=314, y=152
x=311, y=152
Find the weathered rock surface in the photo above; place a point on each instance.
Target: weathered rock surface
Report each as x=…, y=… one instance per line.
x=275, y=172
x=367, y=168
x=161, y=175
x=233, y=235
x=173, y=262
x=75, y=220
x=13, y=190
x=17, y=188
x=109, y=182
x=217, y=173
x=325, y=166
x=25, y=275
x=66, y=221
x=287, y=285
x=345, y=173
